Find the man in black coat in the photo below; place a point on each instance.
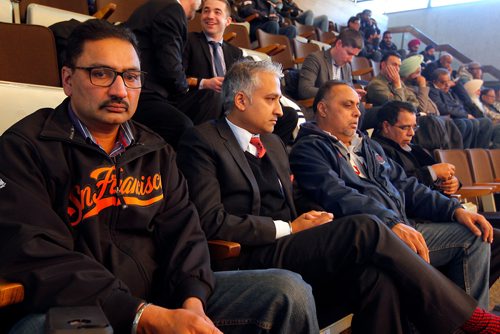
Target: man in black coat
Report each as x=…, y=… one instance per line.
x=166, y=103
x=417, y=162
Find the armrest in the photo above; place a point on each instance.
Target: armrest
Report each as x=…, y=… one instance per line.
x=307, y=34
x=229, y=36
x=494, y=185
x=272, y=50
x=474, y=191
x=105, y=11
x=10, y=293
x=221, y=249
x=362, y=71
x=252, y=17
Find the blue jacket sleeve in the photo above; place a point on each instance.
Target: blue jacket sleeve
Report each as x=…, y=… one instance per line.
x=316, y=169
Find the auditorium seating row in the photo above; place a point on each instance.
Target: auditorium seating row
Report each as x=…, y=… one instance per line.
x=479, y=172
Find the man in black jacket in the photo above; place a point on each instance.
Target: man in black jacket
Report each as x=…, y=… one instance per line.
x=109, y=222
x=417, y=162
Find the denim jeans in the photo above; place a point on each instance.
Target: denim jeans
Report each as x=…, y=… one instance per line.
x=248, y=301
x=465, y=257
x=274, y=28
x=307, y=17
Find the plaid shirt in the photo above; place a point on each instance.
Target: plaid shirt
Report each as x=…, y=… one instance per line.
x=124, y=138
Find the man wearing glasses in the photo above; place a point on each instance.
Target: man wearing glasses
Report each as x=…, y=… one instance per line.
x=95, y=212
x=346, y=173
x=397, y=125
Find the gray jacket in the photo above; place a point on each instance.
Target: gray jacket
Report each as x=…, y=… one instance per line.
x=316, y=70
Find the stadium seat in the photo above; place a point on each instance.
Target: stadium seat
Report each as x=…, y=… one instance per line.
x=306, y=31
x=47, y=16
x=6, y=14
x=495, y=162
x=28, y=54
x=20, y=100
x=285, y=58
x=77, y=6
x=469, y=189
x=481, y=168
x=123, y=10
x=362, y=68
x=302, y=50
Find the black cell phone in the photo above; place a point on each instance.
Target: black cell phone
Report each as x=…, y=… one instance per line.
x=77, y=319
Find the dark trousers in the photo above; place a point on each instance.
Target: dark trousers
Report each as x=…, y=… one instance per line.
x=483, y=128
x=467, y=130
x=159, y=115
x=358, y=265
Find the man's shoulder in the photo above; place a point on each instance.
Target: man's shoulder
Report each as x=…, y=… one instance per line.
x=151, y=9
x=316, y=56
x=196, y=36
x=377, y=81
x=204, y=133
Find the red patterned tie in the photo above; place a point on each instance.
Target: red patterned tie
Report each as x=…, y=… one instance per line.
x=261, y=150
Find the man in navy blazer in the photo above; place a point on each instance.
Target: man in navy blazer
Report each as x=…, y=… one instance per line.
x=239, y=179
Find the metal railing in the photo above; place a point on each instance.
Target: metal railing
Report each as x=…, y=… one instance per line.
x=458, y=55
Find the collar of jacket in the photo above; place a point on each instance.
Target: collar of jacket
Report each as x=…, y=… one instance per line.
x=58, y=126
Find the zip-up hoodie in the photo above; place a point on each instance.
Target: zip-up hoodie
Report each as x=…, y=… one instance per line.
x=324, y=175
x=80, y=228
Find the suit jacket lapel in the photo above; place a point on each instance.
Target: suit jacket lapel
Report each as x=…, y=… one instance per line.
x=239, y=157
x=328, y=60
x=206, y=52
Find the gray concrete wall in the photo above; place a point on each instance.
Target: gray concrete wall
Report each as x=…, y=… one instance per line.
x=471, y=28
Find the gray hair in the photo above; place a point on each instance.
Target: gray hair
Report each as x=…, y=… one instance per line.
x=242, y=78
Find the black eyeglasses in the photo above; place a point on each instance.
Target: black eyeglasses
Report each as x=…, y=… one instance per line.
x=105, y=77
x=407, y=127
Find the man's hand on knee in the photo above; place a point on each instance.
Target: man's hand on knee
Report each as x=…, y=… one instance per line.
x=156, y=319
x=476, y=223
x=311, y=219
x=413, y=239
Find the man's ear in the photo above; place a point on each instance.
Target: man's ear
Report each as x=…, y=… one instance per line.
x=66, y=78
x=385, y=126
x=240, y=101
x=321, y=109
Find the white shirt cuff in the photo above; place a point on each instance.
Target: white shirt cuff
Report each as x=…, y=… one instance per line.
x=433, y=173
x=202, y=84
x=282, y=228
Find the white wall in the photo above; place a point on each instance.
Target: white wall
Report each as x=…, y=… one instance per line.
x=470, y=28
x=339, y=11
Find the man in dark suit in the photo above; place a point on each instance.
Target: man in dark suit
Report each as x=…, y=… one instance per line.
x=161, y=28
x=205, y=69
x=239, y=179
x=206, y=59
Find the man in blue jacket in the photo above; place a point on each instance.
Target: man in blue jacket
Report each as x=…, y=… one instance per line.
x=346, y=173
